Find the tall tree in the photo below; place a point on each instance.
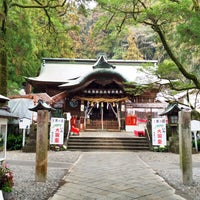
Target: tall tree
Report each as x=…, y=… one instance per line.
x=31, y=29
x=175, y=22
x=6, y=8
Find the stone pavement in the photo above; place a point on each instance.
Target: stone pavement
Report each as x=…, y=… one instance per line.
x=113, y=175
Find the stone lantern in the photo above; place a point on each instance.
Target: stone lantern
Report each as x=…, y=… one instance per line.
x=42, y=110
x=172, y=115
x=5, y=115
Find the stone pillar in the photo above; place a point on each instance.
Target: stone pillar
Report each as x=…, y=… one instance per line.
x=42, y=146
x=185, y=146
x=42, y=110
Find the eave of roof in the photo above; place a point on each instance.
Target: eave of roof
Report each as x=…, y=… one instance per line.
x=97, y=74
x=41, y=105
x=92, y=61
x=3, y=98
x=170, y=109
x=6, y=114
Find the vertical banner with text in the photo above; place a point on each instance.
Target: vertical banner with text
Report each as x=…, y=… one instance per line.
x=159, y=136
x=57, y=130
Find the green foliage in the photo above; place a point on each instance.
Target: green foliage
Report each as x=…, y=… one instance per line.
x=160, y=148
x=189, y=30
x=168, y=70
x=26, y=46
x=30, y=31
x=176, y=24
x=14, y=142
x=198, y=144
x=73, y=31
x=133, y=89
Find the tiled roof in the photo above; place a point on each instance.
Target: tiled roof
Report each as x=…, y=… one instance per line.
x=66, y=71
x=5, y=114
x=170, y=109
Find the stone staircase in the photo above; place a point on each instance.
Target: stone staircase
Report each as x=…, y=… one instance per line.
x=79, y=143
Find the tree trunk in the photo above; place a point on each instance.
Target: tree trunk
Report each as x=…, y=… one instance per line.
x=3, y=54
x=3, y=73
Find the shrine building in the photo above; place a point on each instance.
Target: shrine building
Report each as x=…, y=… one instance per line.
x=93, y=92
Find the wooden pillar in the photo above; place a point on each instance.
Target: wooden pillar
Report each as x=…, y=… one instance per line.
x=102, y=125
x=185, y=146
x=119, y=118
x=42, y=145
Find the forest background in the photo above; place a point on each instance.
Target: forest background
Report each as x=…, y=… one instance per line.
x=163, y=30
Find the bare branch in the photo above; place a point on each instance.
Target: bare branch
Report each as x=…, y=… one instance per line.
x=188, y=75
x=121, y=24
x=109, y=21
x=173, y=87
x=38, y=5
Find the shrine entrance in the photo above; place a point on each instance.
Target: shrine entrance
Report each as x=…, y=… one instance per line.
x=104, y=115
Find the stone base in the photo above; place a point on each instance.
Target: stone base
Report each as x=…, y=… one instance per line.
x=30, y=145
x=174, y=145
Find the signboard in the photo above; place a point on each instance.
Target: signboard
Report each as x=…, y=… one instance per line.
x=57, y=130
x=195, y=127
x=24, y=123
x=68, y=116
x=159, y=131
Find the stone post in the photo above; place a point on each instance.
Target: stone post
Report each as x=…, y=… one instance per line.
x=185, y=146
x=41, y=146
x=41, y=140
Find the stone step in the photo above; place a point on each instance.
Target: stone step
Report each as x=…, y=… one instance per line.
x=109, y=143
x=122, y=148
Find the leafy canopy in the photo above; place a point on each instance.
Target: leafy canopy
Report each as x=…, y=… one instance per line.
x=177, y=25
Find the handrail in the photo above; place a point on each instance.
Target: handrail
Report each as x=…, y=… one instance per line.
x=68, y=133
x=148, y=136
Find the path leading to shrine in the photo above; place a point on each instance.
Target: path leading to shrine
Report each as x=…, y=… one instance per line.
x=113, y=175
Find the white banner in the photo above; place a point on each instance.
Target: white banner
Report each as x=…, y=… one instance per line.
x=24, y=123
x=159, y=136
x=57, y=130
x=195, y=125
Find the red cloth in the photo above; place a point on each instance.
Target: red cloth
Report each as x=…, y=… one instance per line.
x=139, y=133
x=75, y=130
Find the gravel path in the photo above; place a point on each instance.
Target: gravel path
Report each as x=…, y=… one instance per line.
x=167, y=166
x=23, y=167
x=25, y=188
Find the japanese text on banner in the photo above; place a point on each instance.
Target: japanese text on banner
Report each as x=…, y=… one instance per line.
x=159, y=131
x=57, y=130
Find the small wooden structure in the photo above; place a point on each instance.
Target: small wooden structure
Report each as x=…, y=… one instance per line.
x=172, y=112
